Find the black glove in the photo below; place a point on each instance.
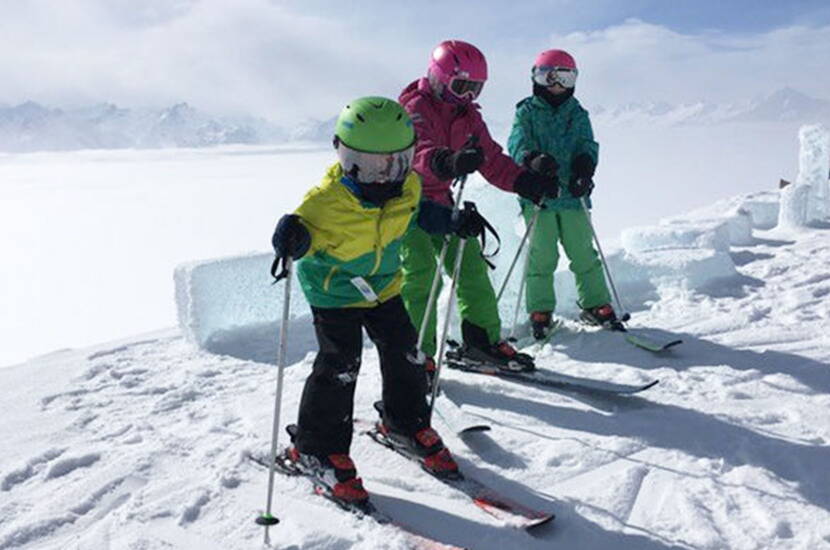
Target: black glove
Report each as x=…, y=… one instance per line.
x=467, y=223
x=448, y=164
x=291, y=238
x=581, y=187
x=582, y=173
x=542, y=164
x=582, y=166
x=535, y=187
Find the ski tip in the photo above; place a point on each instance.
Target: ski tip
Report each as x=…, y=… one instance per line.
x=650, y=384
x=266, y=520
x=474, y=429
x=532, y=526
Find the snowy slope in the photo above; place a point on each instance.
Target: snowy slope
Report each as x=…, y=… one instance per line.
x=140, y=443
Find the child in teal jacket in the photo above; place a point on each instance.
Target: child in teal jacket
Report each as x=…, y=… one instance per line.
x=552, y=135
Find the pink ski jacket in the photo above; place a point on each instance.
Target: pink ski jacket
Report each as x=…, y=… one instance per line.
x=441, y=125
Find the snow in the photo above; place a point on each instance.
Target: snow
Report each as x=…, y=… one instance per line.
x=807, y=202
x=141, y=443
x=229, y=306
x=814, y=170
x=90, y=239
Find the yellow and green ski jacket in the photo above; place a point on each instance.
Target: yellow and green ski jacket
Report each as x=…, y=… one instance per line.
x=353, y=243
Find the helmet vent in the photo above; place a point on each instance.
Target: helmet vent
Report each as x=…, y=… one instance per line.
x=360, y=117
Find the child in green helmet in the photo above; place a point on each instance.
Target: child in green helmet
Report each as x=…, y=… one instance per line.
x=347, y=235
x=552, y=134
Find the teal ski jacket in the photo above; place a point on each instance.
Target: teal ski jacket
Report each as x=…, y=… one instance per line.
x=562, y=132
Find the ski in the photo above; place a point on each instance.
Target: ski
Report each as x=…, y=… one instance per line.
x=537, y=343
x=650, y=344
x=456, y=360
x=636, y=337
x=455, y=418
x=367, y=510
x=509, y=512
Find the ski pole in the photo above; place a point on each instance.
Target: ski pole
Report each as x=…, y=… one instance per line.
x=536, y=209
x=531, y=229
x=266, y=519
x=433, y=291
x=459, y=253
x=625, y=316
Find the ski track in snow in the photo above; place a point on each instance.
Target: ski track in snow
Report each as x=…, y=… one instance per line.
x=146, y=441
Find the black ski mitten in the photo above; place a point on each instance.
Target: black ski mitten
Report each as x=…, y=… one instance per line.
x=541, y=163
x=447, y=164
x=535, y=187
x=291, y=238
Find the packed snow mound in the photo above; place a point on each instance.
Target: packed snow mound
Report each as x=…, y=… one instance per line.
x=807, y=202
x=712, y=234
x=230, y=306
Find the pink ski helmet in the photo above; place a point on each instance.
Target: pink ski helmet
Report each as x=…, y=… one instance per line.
x=554, y=67
x=457, y=71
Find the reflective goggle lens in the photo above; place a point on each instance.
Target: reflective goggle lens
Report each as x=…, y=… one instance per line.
x=463, y=87
x=548, y=76
x=376, y=167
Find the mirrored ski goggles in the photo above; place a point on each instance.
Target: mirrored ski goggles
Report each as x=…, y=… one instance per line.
x=375, y=167
x=548, y=76
x=463, y=87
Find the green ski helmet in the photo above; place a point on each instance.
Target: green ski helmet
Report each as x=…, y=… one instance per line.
x=375, y=140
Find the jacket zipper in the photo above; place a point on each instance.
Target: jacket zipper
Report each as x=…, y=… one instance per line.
x=377, y=244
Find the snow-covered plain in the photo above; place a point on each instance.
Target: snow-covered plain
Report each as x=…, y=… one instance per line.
x=89, y=240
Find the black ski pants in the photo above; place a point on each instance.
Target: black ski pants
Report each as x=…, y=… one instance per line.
x=327, y=404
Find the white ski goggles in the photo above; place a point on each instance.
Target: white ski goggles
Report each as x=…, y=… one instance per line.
x=367, y=167
x=463, y=87
x=548, y=76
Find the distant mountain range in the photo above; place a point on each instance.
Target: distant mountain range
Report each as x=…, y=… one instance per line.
x=784, y=105
x=33, y=127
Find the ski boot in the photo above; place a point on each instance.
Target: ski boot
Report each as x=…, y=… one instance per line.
x=335, y=472
x=477, y=348
x=540, y=323
x=501, y=355
x=602, y=316
x=426, y=447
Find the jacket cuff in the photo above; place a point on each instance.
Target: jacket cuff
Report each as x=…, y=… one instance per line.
x=434, y=218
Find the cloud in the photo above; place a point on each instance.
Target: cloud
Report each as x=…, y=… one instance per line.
x=273, y=59
x=637, y=60
x=256, y=57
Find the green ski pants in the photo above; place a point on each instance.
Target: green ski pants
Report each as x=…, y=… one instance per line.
x=476, y=298
x=571, y=228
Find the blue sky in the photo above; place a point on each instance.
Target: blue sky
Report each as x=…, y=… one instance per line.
x=292, y=59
